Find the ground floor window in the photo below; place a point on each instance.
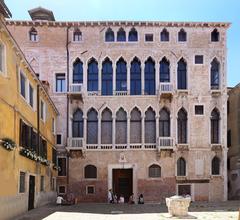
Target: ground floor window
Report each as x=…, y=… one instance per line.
x=61, y=189
x=90, y=190
x=184, y=190
x=22, y=182
x=62, y=163
x=42, y=183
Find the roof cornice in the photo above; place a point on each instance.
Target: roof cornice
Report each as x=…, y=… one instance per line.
x=118, y=23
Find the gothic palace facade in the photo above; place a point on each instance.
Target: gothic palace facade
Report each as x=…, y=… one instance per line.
x=143, y=105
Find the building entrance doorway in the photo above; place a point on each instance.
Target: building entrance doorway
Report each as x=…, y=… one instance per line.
x=122, y=183
x=31, y=192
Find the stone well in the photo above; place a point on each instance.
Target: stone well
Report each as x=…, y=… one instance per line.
x=178, y=205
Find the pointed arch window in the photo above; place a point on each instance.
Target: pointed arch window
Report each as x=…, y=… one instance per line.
x=182, y=126
x=182, y=74
x=149, y=77
x=33, y=35
x=78, y=71
x=181, y=167
x=215, y=166
x=107, y=77
x=121, y=75
x=215, y=35
x=164, y=70
x=77, y=35
x=164, y=123
x=133, y=35
x=77, y=124
x=106, y=127
x=215, y=119
x=92, y=127
x=164, y=36
x=182, y=35
x=154, y=171
x=109, y=35
x=92, y=81
x=150, y=126
x=215, y=74
x=135, y=126
x=121, y=35
x=121, y=127
x=135, y=77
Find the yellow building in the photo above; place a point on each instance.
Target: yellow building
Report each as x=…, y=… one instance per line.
x=27, y=132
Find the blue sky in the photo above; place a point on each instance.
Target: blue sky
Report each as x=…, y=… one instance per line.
x=160, y=10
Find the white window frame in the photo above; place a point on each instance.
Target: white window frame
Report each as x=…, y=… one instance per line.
x=3, y=72
x=94, y=190
x=198, y=63
x=77, y=41
x=43, y=117
x=55, y=82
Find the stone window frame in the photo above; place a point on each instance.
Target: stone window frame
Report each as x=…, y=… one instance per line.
x=192, y=189
x=182, y=30
x=55, y=82
x=148, y=173
x=59, y=133
x=66, y=165
x=90, y=179
x=29, y=33
x=220, y=168
x=94, y=190
x=43, y=115
x=186, y=168
x=219, y=36
x=60, y=193
x=25, y=182
x=3, y=72
x=194, y=59
x=42, y=183
x=148, y=34
x=78, y=31
x=220, y=70
x=204, y=109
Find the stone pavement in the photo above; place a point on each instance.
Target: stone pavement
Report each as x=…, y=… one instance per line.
x=200, y=211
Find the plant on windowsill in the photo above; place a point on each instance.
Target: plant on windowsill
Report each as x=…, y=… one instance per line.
x=32, y=155
x=55, y=167
x=8, y=144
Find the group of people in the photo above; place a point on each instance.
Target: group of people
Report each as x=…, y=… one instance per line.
x=112, y=198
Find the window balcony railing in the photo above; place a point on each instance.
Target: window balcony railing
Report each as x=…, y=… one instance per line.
x=75, y=143
x=76, y=88
x=166, y=87
x=165, y=143
x=121, y=93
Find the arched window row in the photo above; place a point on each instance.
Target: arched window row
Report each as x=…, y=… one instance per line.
x=136, y=68
x=122, y=36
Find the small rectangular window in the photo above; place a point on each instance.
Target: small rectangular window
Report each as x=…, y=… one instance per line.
x=229, y=138
x=90, y=189
x=42, y=184
x=62, y=163
x=22, y=182
x=199, y=110
x=60, y=82
x=53, y=125
x=77, y=36
x=53, y=184
x=61, y=189
x=23, y=85
x=59, y=139
x=2, y=58
x=199, y=59
x=42, y=110
x=31, y=91
x=149, y=37
x=184, y=190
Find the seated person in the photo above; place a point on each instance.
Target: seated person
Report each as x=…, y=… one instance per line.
x=121, y=199
x=131, y=199
x=141, y=199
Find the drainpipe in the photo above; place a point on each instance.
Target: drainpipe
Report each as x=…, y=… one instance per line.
x=38, y=122
x=67, y=50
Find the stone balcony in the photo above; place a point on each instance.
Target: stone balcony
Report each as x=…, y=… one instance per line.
x=75, y=143
x=76, y=91
x=165, y=143
x=166, y=90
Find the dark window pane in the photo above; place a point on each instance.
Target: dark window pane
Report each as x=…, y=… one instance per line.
x=60, y=82
x=135, y=77
x=135, y=126
x=106, y=127
x=199, y=59
x=78, y=71
x=92, y=127
x=133, y=35
x=154, y=171
x=90, y=171
x=90, y=189
x=92, y=76
x=182, y=36
x=150, y=126
x=121, y=35
x=164, y=35
x=62, y=163
x=148, y=37
x=229, y=138
x=215, y=118
x=149, y=75
x=182, y=126
x=164, y=123
x=215, y=74
x=164, y=70
x=107, y=75
x=121, y=127
x=109, y=35
x=182, y=75
x=215, y=35
x=181, y=167
x=121, y=76
x=215, y=166
x=199, y=110
x=23, y=85
x=62, y=189
x=31, y=95
x=77, y=124
x=59, y=139
x=22, y=182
